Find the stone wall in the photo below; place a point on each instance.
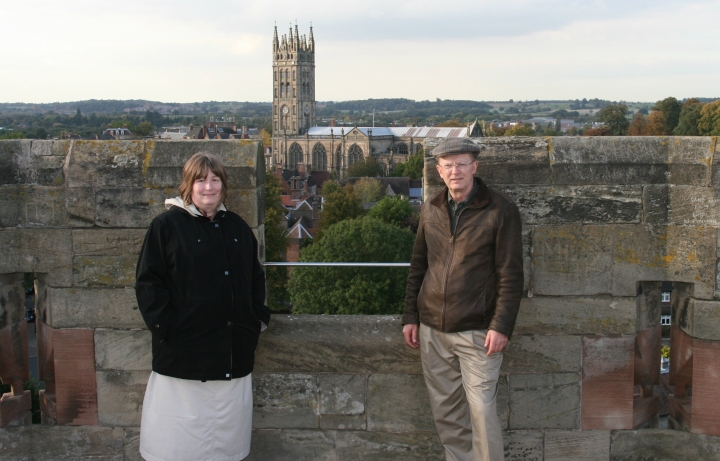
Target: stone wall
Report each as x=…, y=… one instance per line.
x=605, y=221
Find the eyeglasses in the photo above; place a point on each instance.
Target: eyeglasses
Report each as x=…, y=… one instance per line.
x=459, y=166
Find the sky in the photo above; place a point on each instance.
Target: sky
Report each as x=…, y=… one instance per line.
x=188, y=51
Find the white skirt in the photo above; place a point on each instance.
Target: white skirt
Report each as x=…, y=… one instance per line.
x=184, y=419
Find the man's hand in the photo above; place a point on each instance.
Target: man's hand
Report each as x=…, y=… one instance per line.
x=494, y=342
x=410, y=331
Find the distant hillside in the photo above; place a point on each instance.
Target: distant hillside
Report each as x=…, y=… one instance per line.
x=119, y=106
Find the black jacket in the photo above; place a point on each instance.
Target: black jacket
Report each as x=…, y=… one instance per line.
x=201, y=291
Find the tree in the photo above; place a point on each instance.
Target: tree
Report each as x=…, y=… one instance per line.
x=340, y=203
x=413, y=167
x=450, y=123
x=366, y=167
x=709, y=122
x=144, y=129
x=656, y=124
x=599, y=131
x=689, y=117
x=266, y=137
x=12, y=135
x=275, y=243
x=368, y=190
x=393, y=210
x=670, y=108
x=353, y=290
x=520, y=130
x=638, y=126
x=615, y=118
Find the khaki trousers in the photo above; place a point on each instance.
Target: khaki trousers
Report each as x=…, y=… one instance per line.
x=462, y=383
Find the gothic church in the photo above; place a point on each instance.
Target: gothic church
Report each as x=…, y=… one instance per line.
x=298, y=140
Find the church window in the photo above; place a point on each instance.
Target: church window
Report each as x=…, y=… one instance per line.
x=276, y=125
x=294, y=109
x=293, y=76
x=355, y=154
x=276, y=92
x=319, y=157
x=402, y=148
x=296, y=155
x=275, y=75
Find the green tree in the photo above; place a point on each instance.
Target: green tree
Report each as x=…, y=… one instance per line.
x=689, y=117
x=615, y=118
x=520, y=130
x=368, y=190
x=393, y=210
x=670, y=107
x=709, y=122
x=275, y=243
x=366, y=167
x=12, y=135
x=353, y=290
x=412, y=168
x=144, y=129
x=339, y=203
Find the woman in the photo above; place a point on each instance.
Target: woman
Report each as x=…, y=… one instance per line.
x=201, y=291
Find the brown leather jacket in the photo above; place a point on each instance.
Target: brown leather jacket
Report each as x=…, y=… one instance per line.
x=472, y=280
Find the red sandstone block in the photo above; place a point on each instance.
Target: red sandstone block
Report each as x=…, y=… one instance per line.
x=13, y=407
x=48, y=405
x=706, y=388
x=681, y=411
x=14, y=362
x=644, y=409
x=75, y=384
x=46, y=355
x=681, y=360
x=607, y=382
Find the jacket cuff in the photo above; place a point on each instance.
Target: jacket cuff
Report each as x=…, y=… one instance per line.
x=410, y=319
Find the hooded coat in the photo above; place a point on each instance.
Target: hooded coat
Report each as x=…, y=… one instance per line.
x=201, y=291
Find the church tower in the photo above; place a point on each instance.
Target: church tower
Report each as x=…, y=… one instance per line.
x=293, y=88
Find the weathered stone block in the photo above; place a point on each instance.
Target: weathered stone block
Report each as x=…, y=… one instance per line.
x=677, y=253
x=572, y=260
x=120, y=397
x=104, y=271
x=570, y=315
x=40, y=251
x=700, y=319
x=15, y=409
x=128, y=207
x=398, y=403
x=706, y=392
x=32, y=206
x=577, y=445
x=75, y=386
x=33, y=162
x=90, y=308
x=126, y=350
x=607, y=382
x=513, y=160
x=542, y=354
x=107, y=164
x=107, y=242
x=14, y=364
x=248, y=203
x=355, y=344
x=649, y=305
x=342, y=401
x=577, y=204
x=682, y=205
x=61, y=443
x=523, y=445
x=285, y=401
x=623, y=160
x=544, y=401
x=292, y=445
x=383, y=446
x=662, y=445
x=80, y=206
x=132, y=444
x=12, y=299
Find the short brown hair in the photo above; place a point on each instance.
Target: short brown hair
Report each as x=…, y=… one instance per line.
x=197, y=167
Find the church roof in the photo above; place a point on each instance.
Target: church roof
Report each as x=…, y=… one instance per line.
x=406, y=131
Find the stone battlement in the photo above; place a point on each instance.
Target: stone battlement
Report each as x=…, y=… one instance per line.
x=606, y=220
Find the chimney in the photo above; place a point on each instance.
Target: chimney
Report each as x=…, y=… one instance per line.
x=301, y=170
x=244, y=132
x=278, y=168
x=332, y=122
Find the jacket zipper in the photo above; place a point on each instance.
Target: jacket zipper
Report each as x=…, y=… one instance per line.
x=451, y=257
x=232, y=304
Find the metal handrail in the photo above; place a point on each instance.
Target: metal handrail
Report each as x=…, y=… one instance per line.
x=345, y=264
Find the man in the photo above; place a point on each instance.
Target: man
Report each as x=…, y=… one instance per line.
x=462, y=298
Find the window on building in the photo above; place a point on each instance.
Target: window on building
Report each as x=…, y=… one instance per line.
x=402, y=148
x=296, y=154
x=665, y=320
x=666, y=297
x=319, y=157
x=355, y=154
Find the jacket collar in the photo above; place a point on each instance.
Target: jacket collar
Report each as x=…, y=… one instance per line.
x=482, y=197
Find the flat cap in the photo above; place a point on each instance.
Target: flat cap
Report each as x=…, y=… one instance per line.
x=452, y=146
